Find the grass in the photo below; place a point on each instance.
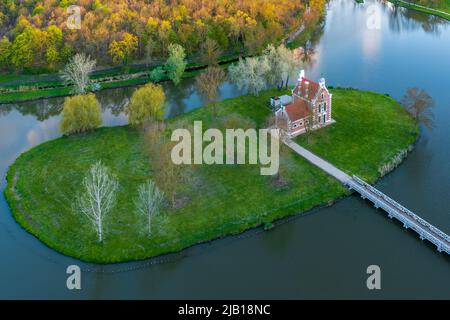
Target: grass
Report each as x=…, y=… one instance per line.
x=52, y=87
x=349, y=143
x=222, y=199
x=444, y=6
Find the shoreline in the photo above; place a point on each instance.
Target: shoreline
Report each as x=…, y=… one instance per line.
x=417, y=7
x=25, y=223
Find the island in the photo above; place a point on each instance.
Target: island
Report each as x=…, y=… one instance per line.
x=371, y=135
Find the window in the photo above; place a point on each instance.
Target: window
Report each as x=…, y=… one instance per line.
x=324, y=118
x=324, y=106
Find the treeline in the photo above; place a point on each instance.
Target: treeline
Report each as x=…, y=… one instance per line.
x=34, y=36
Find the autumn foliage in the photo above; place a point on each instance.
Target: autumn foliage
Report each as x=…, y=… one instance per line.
x=34, y=34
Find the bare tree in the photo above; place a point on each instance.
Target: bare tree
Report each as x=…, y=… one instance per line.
x=98, y=197
x=169, y=176
x=210, y=52
x=309, y=125
x=77, y=72
x=149, y=202
x=419, y=104
x=208, y=84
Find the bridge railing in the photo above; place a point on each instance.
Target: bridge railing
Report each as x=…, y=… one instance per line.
x=401, y=208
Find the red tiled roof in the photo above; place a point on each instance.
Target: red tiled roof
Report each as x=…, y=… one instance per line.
x=307, y=91
x=297, y=110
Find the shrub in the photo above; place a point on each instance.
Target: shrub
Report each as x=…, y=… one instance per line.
x=80, y=113
x=158, y=74
x=146, y=105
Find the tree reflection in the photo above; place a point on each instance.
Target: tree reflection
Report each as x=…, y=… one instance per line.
x=403, y=19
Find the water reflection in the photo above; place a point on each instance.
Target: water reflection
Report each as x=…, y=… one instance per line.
x=403, y=19
x=295, y=252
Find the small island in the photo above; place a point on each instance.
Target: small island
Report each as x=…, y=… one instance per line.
x=371, y=135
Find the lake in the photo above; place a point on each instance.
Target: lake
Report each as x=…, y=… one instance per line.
x=323, y=254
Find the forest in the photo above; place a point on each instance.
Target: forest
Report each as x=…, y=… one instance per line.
x=35, y=38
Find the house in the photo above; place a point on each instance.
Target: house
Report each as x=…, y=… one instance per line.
x=309, y=107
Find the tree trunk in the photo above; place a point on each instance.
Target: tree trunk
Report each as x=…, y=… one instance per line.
x=287, y=82
x=100, y=235
x=280, y=85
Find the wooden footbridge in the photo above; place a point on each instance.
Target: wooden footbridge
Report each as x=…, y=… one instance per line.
x=410, y=220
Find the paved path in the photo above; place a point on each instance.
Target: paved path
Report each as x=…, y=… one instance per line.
x=319, y=162
x=395, y=210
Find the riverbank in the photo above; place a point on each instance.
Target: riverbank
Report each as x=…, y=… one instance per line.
x=443, y=12
x=27, y=88
x=220, y=200
x=21, y=88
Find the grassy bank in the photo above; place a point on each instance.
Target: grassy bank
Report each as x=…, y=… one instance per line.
x=49, y=86
x=442, y=10
x=221, y=200
x=350, y=143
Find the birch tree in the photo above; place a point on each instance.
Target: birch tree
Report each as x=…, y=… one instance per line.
x=289, y=64
x=283, y=64
x=77, y=72
x=250, y=73
x=99, y=196
x=149, y=202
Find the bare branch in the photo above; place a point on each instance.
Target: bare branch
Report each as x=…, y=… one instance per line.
x=77, y=72
x=99, y=196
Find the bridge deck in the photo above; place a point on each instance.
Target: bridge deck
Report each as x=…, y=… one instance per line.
x=380, y=200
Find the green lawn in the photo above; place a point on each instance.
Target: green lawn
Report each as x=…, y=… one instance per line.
x=221, y=199
x=349, y=143
x=443, y=5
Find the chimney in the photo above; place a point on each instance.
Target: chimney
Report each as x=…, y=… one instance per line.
x=301, y=75
x=322, y=82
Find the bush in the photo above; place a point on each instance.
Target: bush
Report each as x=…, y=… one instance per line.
x=158, y=74
x=146, y=105
x=80, y=114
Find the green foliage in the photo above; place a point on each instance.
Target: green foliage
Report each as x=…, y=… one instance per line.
x=176, y=63
x=28, y=47
x=80, y=114
x=222, y=200
x=122, y=51
x=123, y=30
x=157, y=74
x=5, y=52
x=146, y=104
x=37, y=10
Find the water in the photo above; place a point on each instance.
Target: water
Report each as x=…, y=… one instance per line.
x=321, y=255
